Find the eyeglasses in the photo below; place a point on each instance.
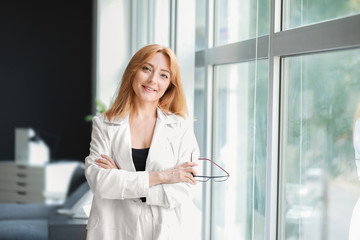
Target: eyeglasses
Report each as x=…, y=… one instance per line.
x=220, y=178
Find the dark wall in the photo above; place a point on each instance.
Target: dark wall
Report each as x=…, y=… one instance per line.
x=45, y=74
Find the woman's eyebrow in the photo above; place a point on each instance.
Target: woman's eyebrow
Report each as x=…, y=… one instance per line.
x=164, y=70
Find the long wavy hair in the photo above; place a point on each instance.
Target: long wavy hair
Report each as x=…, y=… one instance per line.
x=172, y=102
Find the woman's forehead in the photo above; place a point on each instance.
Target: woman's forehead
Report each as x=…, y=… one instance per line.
x=159, y=60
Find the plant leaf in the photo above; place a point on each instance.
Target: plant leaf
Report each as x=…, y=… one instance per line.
x=88, y=118
x=100, y=106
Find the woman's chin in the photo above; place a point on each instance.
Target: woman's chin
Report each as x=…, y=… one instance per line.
x=148, y=99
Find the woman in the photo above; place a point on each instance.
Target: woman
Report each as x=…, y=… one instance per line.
x=140, y=166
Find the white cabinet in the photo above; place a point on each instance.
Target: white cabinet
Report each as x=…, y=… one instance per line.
x=35, y=184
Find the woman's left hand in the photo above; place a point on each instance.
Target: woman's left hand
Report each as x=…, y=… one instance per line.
x=106, y=162
x=182, y=173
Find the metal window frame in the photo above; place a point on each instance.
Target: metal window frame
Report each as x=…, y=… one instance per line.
x=209, y=127
x=332, y=35
x=274, y=91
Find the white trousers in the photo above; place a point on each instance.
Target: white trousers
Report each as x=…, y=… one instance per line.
x=145, y=223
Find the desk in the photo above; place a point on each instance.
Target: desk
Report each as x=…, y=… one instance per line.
x=65, y=227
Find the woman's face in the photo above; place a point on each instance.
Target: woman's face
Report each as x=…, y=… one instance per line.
x=152, y=79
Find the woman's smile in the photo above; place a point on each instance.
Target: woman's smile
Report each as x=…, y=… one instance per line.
x=149, y=89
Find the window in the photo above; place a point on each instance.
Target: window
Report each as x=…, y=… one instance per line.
x=305, y=12
x=240, y=131
x=277, y=82
x=151, y=23
x=236, y=20
x=200, y=39
x=319, y=188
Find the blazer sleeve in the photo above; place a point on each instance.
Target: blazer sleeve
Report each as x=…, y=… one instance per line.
x=111, y=183
x=174, y=195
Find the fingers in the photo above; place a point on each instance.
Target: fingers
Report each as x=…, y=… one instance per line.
x=190, y=179
x=183, y=173
x=106, y=157
x=188, y=164
x=188, y=167
x=181, y=176
x=191, y=171
x=103, y=165
x=187, y=177
x=106, y=162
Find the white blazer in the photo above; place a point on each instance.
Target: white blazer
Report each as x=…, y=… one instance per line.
x=116, y=205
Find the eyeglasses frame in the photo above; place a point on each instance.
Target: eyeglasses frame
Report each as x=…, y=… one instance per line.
x=211, y=177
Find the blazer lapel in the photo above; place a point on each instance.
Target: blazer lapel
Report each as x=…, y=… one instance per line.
x=160, y=155
x=121, y=145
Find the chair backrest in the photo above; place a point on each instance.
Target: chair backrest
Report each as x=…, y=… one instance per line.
x=76, y=195
x=77, y=178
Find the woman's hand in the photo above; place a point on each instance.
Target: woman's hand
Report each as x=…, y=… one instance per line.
x=182, y=173
x=106, y=162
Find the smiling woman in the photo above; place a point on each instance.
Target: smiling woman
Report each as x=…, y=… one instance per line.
x=139, y=166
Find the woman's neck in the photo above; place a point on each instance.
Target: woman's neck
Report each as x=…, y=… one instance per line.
x=144, y=111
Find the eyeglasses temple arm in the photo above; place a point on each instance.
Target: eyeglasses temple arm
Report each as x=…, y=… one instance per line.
x=213, y=163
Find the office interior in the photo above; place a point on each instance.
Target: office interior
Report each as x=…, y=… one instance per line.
x=273, y=86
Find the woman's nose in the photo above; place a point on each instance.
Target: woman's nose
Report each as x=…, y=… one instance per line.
x=152, y=77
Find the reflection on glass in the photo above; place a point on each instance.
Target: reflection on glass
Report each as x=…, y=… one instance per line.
x=235, y=20
x=319, y=186
x=240, y=131
x=305, y=12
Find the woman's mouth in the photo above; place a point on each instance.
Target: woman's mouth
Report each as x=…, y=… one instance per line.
x=149, y=89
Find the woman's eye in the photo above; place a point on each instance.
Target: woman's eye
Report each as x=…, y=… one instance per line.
x=164, y=76
x=145, y=68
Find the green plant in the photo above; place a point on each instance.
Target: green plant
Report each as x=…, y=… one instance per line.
x=100, y=108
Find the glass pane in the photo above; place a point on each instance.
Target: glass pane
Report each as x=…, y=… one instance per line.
x=142, y=24
x=319, y=186
x=305, y=12
x=161, y=26
x=235, y=20
x=152, y=23
x=200, y=38
x=240, y=132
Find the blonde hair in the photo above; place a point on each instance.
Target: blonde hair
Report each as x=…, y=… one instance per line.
x=172, y=102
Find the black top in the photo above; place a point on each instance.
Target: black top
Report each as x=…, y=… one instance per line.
x=139, y=158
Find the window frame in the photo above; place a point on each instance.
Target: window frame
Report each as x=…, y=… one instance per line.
x=332, y=35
